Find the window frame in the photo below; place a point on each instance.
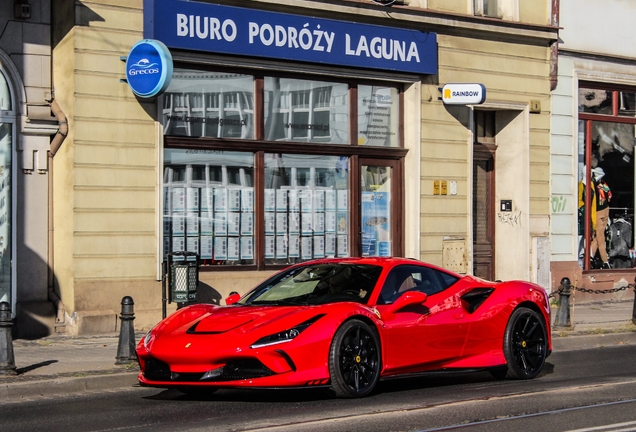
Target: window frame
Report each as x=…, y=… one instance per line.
x=588, y=119
x=259, y=147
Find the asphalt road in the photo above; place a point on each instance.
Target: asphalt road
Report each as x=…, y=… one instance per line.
x=578, y=390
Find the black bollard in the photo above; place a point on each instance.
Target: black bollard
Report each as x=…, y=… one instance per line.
x=634, y=309
x=7, y=360
x=126, y=348
x=563, y=314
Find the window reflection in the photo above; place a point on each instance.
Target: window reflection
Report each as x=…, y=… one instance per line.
x=303, y=110
x=209, y=104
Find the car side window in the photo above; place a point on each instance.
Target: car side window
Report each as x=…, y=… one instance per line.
x=413, y=278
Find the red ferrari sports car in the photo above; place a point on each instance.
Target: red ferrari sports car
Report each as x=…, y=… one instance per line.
x=346, y=324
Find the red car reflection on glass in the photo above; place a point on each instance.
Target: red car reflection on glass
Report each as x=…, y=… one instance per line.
x=346, y=324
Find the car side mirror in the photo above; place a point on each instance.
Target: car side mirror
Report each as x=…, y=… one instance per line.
x=232, y=298
x=407, y=299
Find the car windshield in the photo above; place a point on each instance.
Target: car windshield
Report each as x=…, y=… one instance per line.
x=317, y=284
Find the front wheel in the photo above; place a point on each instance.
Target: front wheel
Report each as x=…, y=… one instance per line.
x=354, y=360
x=525, y=344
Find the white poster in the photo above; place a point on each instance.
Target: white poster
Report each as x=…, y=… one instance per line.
x=192, y=199
x=330, y=245
x=294, y=223
x=233, y=250
x=306, y=198
x=270, y=223
x=294, y=200
x=233, y=223
x=319, y=200
x=247, y=224
x=343, y=248
x=281, y=246
x=178, y=244
x=330, y=222
x=306, y=248
x=178, y=224
x=220, y=224
x=270, y=247
x=281, y=223
x=247, y=248
x=178, y=199
x=247, y=200
x=192, y=244
x=281, y=200
x=319, y=247
x=319, y=223
x=343, y=200
x=220, y=248
x=294, y=246
x=220, y=199
x=206, y=247
x=207, y=200
x=234, y=200
x=206, y=226
x=192, y=224
x=306, y=223
x=270, y=200
x=330, y=200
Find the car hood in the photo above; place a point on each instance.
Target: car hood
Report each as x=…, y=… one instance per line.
x=210, y=319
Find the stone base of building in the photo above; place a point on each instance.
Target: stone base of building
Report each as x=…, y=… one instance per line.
x=616, y=280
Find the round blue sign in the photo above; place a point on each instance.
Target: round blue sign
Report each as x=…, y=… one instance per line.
x=149, y=68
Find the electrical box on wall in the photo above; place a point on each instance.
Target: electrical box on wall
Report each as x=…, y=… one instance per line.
x=22, y=11
x=506, y=206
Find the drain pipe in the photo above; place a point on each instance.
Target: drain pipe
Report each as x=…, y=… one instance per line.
x=554, y=49
x=56, y=143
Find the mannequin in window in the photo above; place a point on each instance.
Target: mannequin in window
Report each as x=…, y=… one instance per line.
x=581, y=215
x=603, y=197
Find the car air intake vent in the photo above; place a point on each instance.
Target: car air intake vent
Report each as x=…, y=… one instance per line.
x=474, y=298
x=157, y=370
x=243, y=369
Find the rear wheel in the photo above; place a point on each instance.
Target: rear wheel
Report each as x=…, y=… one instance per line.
x=354, y=360
x=525, y=344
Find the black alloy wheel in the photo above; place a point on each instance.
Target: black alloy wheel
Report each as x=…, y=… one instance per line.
x=525, y=344
x=354, y=360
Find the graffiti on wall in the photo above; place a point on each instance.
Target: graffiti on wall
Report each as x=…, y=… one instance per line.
x=509, y=218
x=559, y=203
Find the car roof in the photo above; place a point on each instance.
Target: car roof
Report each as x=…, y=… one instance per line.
x=385, y=262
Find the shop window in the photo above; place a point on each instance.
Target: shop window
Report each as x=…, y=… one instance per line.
x=209, y=205
x=245, y=183
x=378, y=116
x=306, y=207
x=606, y=196
x=208, y=104
x=306, y=110
x=7, y=137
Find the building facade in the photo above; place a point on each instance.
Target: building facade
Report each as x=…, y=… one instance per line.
x=322, y=133
x=592, y=169
x=27, y=127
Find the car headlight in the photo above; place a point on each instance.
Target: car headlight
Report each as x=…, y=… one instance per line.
x=147, y=339
x=286, y=335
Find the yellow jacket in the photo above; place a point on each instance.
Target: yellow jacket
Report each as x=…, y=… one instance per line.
x=592, y=203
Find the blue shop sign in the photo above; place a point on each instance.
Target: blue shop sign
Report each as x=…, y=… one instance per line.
x=191, y=25
x=149, y=68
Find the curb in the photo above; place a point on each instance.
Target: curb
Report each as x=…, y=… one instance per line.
x=57, y=386
x=587, y=341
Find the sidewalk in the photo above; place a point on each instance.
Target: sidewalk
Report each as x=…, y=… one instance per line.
x=58, y=365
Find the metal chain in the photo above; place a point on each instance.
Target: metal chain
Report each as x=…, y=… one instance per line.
x=591, y=291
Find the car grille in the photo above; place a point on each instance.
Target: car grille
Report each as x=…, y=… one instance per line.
x=234, y=370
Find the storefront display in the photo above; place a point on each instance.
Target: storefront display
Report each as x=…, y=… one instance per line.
x=606, y=177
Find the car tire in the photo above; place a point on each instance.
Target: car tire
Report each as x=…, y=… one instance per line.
x=525, y=344
x=354, y=360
